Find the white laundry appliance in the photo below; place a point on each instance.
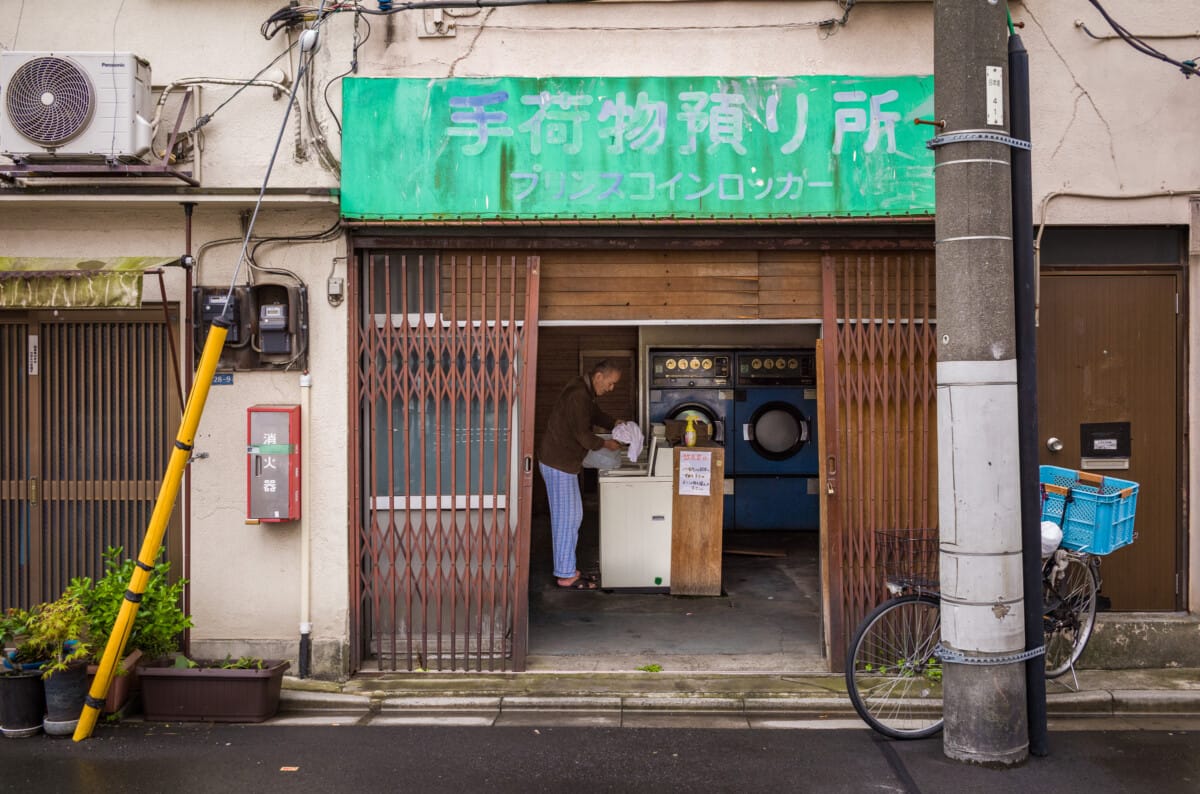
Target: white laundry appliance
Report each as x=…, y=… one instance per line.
x=635, y=523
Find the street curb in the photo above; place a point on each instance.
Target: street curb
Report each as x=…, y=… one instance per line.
x=422, y=703
x=1155, y=702
x=1104, y=703
x=559, y=703
x=293, y=701
x=1077, y=703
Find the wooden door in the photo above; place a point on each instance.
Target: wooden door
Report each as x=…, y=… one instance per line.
x=1108, y=351
x=89, y=407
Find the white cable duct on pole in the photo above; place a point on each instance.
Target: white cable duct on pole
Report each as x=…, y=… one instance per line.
x=305, y=526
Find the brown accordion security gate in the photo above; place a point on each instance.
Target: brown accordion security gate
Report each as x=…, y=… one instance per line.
x=443, y=363
x=880, y=360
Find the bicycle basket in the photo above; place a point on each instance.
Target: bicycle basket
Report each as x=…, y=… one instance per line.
x=908, y=556
x=1099, y=513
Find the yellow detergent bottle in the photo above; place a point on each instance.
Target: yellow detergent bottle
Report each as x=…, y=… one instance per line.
x=689, y=432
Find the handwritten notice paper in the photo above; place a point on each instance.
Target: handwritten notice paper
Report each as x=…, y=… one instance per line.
x=695, y=473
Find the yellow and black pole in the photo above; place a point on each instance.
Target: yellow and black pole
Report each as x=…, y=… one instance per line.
x=167, y=494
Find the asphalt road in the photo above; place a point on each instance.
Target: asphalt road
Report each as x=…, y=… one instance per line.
x=146, y=757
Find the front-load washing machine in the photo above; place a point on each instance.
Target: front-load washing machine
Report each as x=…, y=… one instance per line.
x=774, y=440
x=696, y=383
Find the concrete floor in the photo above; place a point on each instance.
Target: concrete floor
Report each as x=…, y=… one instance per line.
x=768, y=618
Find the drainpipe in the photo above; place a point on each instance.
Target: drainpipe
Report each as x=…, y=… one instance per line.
x=305, y=657
x=1025, y=312
x=189, y=359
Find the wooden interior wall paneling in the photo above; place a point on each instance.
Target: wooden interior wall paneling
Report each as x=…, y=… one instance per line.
x=644, y=258
x=681, y=285
x=648, y=313
x=601, y=281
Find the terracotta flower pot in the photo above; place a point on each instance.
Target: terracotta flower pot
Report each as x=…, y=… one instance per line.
x=124, y=685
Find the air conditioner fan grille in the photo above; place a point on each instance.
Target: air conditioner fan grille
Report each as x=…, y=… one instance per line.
x=49, y=100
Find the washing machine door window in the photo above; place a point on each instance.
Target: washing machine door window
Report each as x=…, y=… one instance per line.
x=700, y=413
x=777, y=431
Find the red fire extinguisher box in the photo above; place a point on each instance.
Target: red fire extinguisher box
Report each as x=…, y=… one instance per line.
x=273, y=462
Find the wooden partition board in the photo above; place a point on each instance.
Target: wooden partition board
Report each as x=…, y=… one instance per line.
x=696, y=537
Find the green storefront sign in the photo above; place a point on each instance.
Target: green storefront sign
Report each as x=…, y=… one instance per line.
x=636, y=147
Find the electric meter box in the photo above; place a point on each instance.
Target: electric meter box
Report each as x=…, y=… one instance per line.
x=273, y=463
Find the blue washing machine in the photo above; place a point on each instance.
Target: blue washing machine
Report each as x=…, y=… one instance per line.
x=696, y=383
x=774, y=440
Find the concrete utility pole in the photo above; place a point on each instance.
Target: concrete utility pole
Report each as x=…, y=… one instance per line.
x=978, y=473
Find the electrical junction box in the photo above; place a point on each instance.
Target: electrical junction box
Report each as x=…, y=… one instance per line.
x=273, y=328
x=273, y=463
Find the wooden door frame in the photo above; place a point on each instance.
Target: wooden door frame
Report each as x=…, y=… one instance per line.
x=1182, y=395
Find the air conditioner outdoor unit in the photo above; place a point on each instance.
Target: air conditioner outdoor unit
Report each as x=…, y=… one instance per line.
x=74, y=106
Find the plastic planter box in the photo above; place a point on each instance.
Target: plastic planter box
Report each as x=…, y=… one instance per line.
x=210, y=694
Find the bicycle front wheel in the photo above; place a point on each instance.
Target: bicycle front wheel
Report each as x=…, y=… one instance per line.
x=892, y=676
x=1070, y=604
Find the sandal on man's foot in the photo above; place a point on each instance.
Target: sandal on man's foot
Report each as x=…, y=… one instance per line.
x=580, y=582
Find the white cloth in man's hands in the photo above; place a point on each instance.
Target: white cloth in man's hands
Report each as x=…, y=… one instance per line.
x=630, y=433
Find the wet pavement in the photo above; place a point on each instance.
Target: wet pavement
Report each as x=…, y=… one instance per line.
x=542, y=757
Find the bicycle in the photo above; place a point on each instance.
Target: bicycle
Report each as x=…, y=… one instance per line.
x=893, y=671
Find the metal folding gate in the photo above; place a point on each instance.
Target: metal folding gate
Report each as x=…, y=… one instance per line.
x=443, y=354
x=88, y=410
x=880, y=359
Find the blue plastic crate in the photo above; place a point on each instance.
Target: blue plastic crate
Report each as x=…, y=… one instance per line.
x=1100, y=517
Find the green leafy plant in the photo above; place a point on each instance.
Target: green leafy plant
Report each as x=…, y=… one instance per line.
x=650, y=668
x=57, y=632
x=14, y=627
x=228, y=663
x=160, y=619
x=931, y=670
x=242, y=663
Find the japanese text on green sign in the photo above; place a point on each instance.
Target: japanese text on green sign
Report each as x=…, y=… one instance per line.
x=636, y=147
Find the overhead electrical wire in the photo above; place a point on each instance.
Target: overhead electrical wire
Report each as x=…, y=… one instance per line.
x=1188, y=67
x=353, y=66
x=207, y=117
x=308, y=50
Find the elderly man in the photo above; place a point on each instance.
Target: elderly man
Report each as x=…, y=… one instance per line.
x=566, y=442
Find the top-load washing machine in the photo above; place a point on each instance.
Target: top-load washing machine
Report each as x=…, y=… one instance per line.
x=773, y=438
x=696, y=383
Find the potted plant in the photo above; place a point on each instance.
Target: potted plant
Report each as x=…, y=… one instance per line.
x=57, y=633
x=22, y=697
x=159, y=623
x=226, y=690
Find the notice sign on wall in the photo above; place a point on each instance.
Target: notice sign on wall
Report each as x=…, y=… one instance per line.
x=636, y=147
x=695, y=473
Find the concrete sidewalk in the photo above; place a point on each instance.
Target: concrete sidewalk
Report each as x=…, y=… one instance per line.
x=726, y=700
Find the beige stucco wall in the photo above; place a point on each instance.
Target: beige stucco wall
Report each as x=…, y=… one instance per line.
x=1107, y=122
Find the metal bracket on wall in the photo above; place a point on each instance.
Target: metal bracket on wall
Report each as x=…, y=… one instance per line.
x=436, y=24
x=990, y=137
x=958, y=657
